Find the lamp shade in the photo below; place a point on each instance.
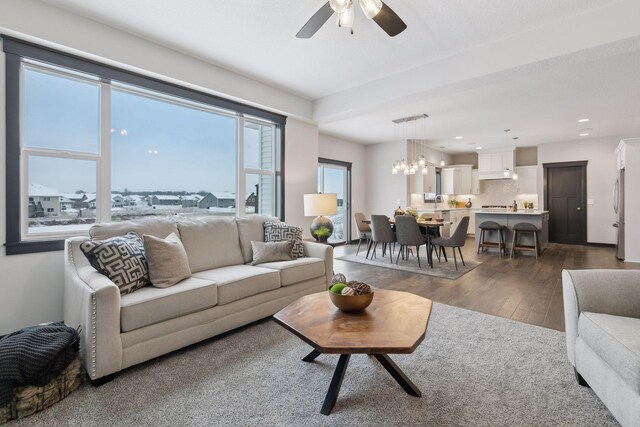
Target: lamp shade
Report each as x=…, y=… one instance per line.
x=320, y=204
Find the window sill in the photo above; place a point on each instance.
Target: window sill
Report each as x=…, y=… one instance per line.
x=20, y=248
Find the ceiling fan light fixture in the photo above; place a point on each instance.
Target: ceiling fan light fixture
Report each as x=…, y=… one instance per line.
x=370, y=7
x=345, y=18
x=339, y=6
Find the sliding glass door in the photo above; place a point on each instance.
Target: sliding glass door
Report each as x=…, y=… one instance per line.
x=335, y=177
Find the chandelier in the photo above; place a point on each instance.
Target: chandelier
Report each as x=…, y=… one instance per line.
x=417, y=161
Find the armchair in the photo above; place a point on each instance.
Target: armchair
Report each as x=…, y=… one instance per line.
x=602, y=322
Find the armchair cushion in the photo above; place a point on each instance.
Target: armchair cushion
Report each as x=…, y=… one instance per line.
x=616, y=340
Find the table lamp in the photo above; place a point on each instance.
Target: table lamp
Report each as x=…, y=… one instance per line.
x=319, y=205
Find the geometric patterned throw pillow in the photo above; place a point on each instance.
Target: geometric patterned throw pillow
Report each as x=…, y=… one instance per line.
x=121, y=259
x=280, y=232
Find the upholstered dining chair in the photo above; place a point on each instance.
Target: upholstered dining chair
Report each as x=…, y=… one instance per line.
x=408, y=234
x=364, y=230
x=456, y=241
x=381, y=232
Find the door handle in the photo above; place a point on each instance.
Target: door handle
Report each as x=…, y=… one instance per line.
x=579, y=208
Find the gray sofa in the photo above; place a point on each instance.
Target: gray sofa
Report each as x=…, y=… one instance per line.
x=602, y=320
x=224, y=292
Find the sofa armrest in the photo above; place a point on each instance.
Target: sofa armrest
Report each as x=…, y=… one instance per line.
x=325, y=252
x=92, y=302
x=615, y=292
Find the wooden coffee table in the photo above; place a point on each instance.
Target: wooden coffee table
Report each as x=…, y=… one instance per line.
x=395, y=322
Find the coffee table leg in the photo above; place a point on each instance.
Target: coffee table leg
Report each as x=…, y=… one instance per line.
x=336, y=382
x=398, y=375
x=311, y=356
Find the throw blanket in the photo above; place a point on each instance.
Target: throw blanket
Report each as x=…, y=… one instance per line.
x=34, y=356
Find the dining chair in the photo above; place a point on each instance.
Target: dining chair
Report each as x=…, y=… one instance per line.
x=456, y=241
x=381, y=232
x=364, y=230
x=408, y=234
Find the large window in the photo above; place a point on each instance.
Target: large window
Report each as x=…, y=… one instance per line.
x=95, y=144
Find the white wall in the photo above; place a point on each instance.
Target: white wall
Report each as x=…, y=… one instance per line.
x=384, y=191
x=347, y=151
x=300, y=171
x=601, y=174
x=46, y=24
x=31, y=286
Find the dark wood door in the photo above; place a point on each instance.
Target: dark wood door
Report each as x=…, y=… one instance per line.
x=565, y=200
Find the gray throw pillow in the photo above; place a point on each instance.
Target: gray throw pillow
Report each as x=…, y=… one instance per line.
x=121, y=259
x=280, y=231
x=168, y=262
x=270, y=252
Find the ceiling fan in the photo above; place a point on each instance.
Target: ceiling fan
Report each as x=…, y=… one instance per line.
x=373, y=9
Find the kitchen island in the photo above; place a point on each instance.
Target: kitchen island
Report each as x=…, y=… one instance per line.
x=538, y=218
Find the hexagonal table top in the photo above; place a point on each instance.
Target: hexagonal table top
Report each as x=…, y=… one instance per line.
x=395, y=322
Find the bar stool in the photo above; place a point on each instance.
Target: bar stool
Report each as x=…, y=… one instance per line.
x=492, y=226
x=524, y=227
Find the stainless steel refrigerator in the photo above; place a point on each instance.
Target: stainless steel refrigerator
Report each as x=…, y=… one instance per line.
x=618, y=207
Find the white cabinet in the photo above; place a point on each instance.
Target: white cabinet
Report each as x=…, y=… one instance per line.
x=424, y=183
x=491, y=165
x=448, y=179
x=475, y=182
x=456, y=215
x=527, y=182
x=457, y=180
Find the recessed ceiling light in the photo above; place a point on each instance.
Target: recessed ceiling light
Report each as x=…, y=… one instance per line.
x=583, y=120
x=478, y=148
x=584, y=134
x=458, y=137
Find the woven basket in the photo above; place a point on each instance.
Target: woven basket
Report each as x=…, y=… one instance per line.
x=28, y=400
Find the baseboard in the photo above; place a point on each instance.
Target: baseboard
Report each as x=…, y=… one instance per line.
x=601, y=245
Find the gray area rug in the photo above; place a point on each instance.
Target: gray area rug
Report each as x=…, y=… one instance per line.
x=442, y=269
x=473, y=370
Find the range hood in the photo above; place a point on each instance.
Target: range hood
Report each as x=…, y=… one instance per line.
x=486, y=175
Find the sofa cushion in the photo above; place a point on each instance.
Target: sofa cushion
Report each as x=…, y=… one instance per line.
x=121, y=259
x=240, y=281
x=168, y=262
x=616, y=340
x=151, y=305
x=156, y=226
x=251, y=229
x=272, y=251
x=296, y=271
x=280, y=231
x=210, y=243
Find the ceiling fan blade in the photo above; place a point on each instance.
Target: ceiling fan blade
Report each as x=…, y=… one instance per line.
x=316, y=21
x=389, y=21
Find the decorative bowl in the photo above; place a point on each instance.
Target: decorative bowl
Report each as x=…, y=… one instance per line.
x=426, y=218
x=351, y=303
x=439, y=219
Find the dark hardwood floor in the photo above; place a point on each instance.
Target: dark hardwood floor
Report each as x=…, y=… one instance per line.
x=516, y=288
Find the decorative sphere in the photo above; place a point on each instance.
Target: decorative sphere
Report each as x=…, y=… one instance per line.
x=338, y=288
x=359, y=288
x=338, y=278
x=347, y=291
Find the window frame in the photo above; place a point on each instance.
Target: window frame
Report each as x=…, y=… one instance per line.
x=18, y=53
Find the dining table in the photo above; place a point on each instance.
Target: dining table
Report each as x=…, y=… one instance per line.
x=424, y=224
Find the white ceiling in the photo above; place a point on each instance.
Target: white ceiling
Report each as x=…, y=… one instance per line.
x=256, y=38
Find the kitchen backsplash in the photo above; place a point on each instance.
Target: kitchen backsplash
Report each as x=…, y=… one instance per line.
x=492, y=192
